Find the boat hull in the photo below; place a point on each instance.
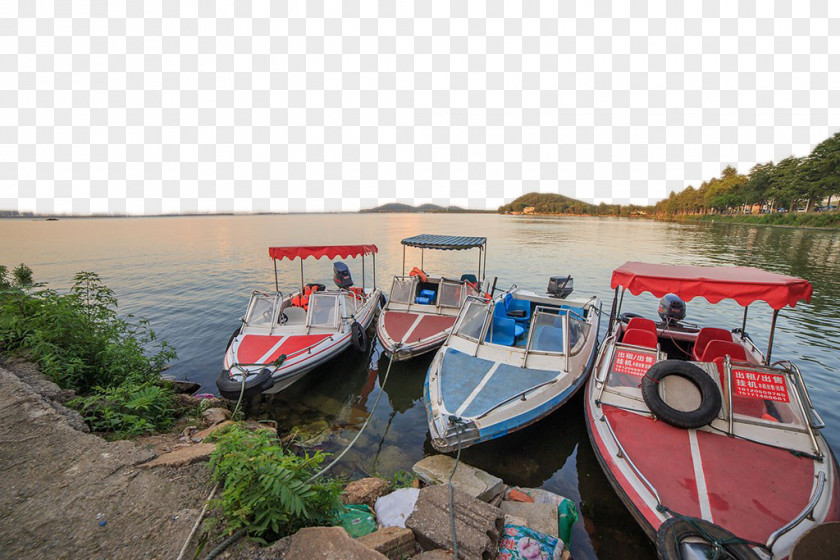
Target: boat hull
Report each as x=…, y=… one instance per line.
x=406, y=335
x=749, y=489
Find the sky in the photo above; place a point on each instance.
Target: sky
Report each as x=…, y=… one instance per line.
x=152, y=107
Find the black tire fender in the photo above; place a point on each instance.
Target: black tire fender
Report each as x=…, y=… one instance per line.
x=675, y=530
x=254, y=384
x=358, y=337
x=710, y=399
x=625, y=317
x=382, y=300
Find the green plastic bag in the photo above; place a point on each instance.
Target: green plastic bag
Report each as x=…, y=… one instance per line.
x=566, y=518
x=357, y=520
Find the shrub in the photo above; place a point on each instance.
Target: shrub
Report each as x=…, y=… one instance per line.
x=77, y=338
x=266, y=489
x=129, y=409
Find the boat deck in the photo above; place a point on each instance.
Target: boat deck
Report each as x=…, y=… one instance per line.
x=409, y=328
x=482, y=385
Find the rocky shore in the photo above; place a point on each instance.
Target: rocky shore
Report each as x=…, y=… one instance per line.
x=66, y=493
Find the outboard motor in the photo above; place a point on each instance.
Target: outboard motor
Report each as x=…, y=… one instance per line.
x=560, y=286
x=671, y=309
x=341, y=275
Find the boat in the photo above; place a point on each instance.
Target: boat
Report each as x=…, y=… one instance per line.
x=285, y=335
x=711, y=446
x=422, y=308
x=508, y=363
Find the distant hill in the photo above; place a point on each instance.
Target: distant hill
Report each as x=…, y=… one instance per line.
x=397, y=207
x=550, y=203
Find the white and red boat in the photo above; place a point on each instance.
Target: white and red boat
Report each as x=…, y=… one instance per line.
x=421, y=309
x=284, y=336
x=709, y=445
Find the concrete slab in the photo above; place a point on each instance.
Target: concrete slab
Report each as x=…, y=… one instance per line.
x=436, y=469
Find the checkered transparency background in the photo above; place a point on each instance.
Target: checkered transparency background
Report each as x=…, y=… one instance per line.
x=110, y=106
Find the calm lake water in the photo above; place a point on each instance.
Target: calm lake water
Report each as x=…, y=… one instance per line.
x=191, y=277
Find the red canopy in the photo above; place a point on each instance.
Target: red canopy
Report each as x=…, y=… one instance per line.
x=744, y=284
x=329, y=251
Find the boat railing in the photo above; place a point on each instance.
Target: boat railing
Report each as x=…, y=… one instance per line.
x=793, y=378
x=622, y=454
x=812, y=504
x=520, y=395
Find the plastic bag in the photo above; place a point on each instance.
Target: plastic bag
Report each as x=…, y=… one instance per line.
x=566, y=510
x=357, y=520
x=392, y=510
x=522, y=543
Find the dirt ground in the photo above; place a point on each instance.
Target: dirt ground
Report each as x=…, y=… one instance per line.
x=68, y=494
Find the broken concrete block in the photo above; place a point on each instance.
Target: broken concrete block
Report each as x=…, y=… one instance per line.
x=183, y=456
x=436, y=554
x=213, y=416
x=436, y=469
x=320, y=542
x=478, y=525
x=394, y=542
x=365, y=491
x=539, y=517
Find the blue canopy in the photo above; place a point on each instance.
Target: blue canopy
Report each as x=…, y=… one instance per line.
x=445, y=242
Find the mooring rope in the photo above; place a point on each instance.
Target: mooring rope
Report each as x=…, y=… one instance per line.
x=375, y=404
x=457, y=422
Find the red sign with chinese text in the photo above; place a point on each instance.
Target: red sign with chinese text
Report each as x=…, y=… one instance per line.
x=758, y=385
x=633, y=363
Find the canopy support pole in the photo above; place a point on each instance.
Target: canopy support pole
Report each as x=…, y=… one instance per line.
x=363, y=272
x=744, y=323
x=613, y=310
x=276, y=282
x=772, y=332
x=484, y=272
x=403, y=260
x=374, y=271
x=422, y=252
x=301, y=275
x=479, y=262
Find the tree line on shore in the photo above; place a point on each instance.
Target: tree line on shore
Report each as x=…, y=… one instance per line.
x=791, y=184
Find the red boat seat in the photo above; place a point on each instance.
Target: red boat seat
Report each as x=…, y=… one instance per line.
x=358, y=292
x=706, y=335
x=721, y=348
x=639, y=337
x=643, y=324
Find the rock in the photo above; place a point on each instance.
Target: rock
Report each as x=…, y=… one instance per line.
x=213, y=416
x=394, y=542
x=436, y=554
x=436, y=469
x=514, y=520
x=478, y=525
x=182, y=386
x=365, y=491
x=186, y=401
x=314, y=543
x=199, y=436
x=539, y=517
x=184, y=456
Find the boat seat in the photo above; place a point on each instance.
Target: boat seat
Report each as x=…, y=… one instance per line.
x=504, y=331
x=706, y=335
x=423, y=299
x=643, y=324
x=470, y=279
x=639, y=337
x=721, y=348
x=517, y=309
x=579, y=311
x=294, y=316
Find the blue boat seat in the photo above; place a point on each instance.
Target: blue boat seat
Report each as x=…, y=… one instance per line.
x=504, y=331
x=422, y=299
x=579, y=311
x=521, y=310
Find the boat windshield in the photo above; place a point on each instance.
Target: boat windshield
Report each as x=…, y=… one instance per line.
x=472, y=320
x=763, y=393
x=323, y=310
x=261, y=311
x=451, y=294
x=549, y=329
x=402, y=290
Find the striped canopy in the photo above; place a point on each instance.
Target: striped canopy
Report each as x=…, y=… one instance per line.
x=445, y=242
